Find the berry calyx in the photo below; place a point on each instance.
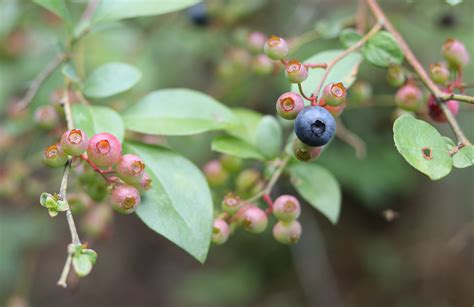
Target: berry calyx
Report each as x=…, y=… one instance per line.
x=253, y=219
x=262, y=65
x=104, y=149
x=439, y=73
x=315, y=126
x=435, y=111
x=74, y=142
x=130, y=168
x=125, y=198
x=287, y=233
x=220, y=231
x=54, y=156
x=286, y=208
x=334, y=94
x=275, y=48
x=255, y=41
x=409, y=97
x=231, y=203
x=455, y=53
x=304, y=152
x=289, y=104
x=295, y=71
x=215, y=174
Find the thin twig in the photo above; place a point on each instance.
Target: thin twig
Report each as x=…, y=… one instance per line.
x=346, y=135
x=418, y=68
x=361, y=16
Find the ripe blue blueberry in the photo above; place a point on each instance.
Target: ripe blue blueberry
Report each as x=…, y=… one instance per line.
x=198, y=14
x=315, y=126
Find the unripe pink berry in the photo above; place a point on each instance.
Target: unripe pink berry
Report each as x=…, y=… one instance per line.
x=130, y=168
x=74, y=142
x=286, y=208
x=439, y=73
x=334, y=94
x=360, y=92
x=46, y=117
x=275, y=48
x=335, y=110
x=215, y=174
x=253, y=219
x=246, y=180
x=145, y=182
x=255, y=41
x=455, y=53
x=54, y=156
x=409, y=97
x=304, y=152
x=220, y=232
x=125, y=198
x=289, y=104
x=296, y=72
x=395, y=75
x=287, y=233
x=231, y=203
x=435, y=111
x=104, y=149
x=262, y=65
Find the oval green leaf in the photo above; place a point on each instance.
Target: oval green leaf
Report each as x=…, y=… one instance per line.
x=382, y=50
x=111, y=79
x=269, y=136
x=246, y=125
x=177, y=112
x=236, y=147
x=318, y=187
x=82, y=264
x=349, y=37
x=96, y=119
x=179, y=204
x=58, y=7
x=464, y=157
x=422, y=147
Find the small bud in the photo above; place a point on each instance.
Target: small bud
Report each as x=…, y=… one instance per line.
x=439, y=73
x=289, y=104
x=220, y=231
x=334, y=94
x=395, y=75
x=74, y=142
x=54, y=156
x=287, y=233
x=215, y=174
x=231, y=203
x=125, y=198
x=455, y=53
x=296, y=72
x=253, y=219
x=304, y=152
x=409, y=97
x=276, y=48
x=360, y=93
x=104, y=149
x=435, y=111
x=231, y=163
x=246, y=180
x=130, y=169
x=46, y=117
x=286, y=208
x=262, y=65
x=255, y=41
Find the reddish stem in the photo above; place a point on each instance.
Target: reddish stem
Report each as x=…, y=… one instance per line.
x=316, y=65
x=269, y=202
x=102, y=172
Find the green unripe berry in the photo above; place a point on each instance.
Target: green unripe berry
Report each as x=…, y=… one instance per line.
x=231, y=203
x=305, y=152
x=395, y=75
x=54, y=156
x=439, y=73
x=360, y=93
x=286, y=208
x=220, y=232
x=296, y=72
x=289, y=104
x=287, y=233
x=246, y=180
x=334, y=94
x=276, y=48
x=74, y=142
x=231, y=163
x=215, y=174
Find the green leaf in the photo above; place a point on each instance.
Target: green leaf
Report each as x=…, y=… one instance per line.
x=82, y=264
x=422, y=146
x=349, y=37
x=269, y=136
x=69, y=71
x=464, y=157
x=236, y=147
x=318, y=187
x=91, y=254
x=58, y=7
x=344, y=71
x=454, y=2
x=382, y=50
x=96, y=119
x=246, y=125
x=110, y=10
x=179, y=204
x=111, y=79
x=177, y=112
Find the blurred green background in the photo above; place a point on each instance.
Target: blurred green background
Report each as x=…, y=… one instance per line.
x=422, y=258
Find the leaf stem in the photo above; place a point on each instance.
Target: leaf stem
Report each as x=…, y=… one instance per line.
x=346, y=135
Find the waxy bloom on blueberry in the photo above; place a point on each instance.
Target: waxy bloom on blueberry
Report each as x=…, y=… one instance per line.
x=409, y=97
x=435, y=111
x=304, y=152
x=296, y=72
x=289, y=104
x=334, y=94
x=220, y=232
x=74, y=142
x=130, y=168
x=439, y=73
x=54, y=156
x=125, y=198
x=455, y=53
x=104, y=149
x=253, y=219
x=276, y=48
x=287, y=233
x=315, y=126
x=255, y=41
x=286, y=208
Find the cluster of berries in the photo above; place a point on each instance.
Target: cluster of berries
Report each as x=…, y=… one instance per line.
x=103, y=152
x=238, y=213
x=409, y=97
x=315, y=125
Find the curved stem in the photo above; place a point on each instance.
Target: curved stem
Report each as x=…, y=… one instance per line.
x=351, y=138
